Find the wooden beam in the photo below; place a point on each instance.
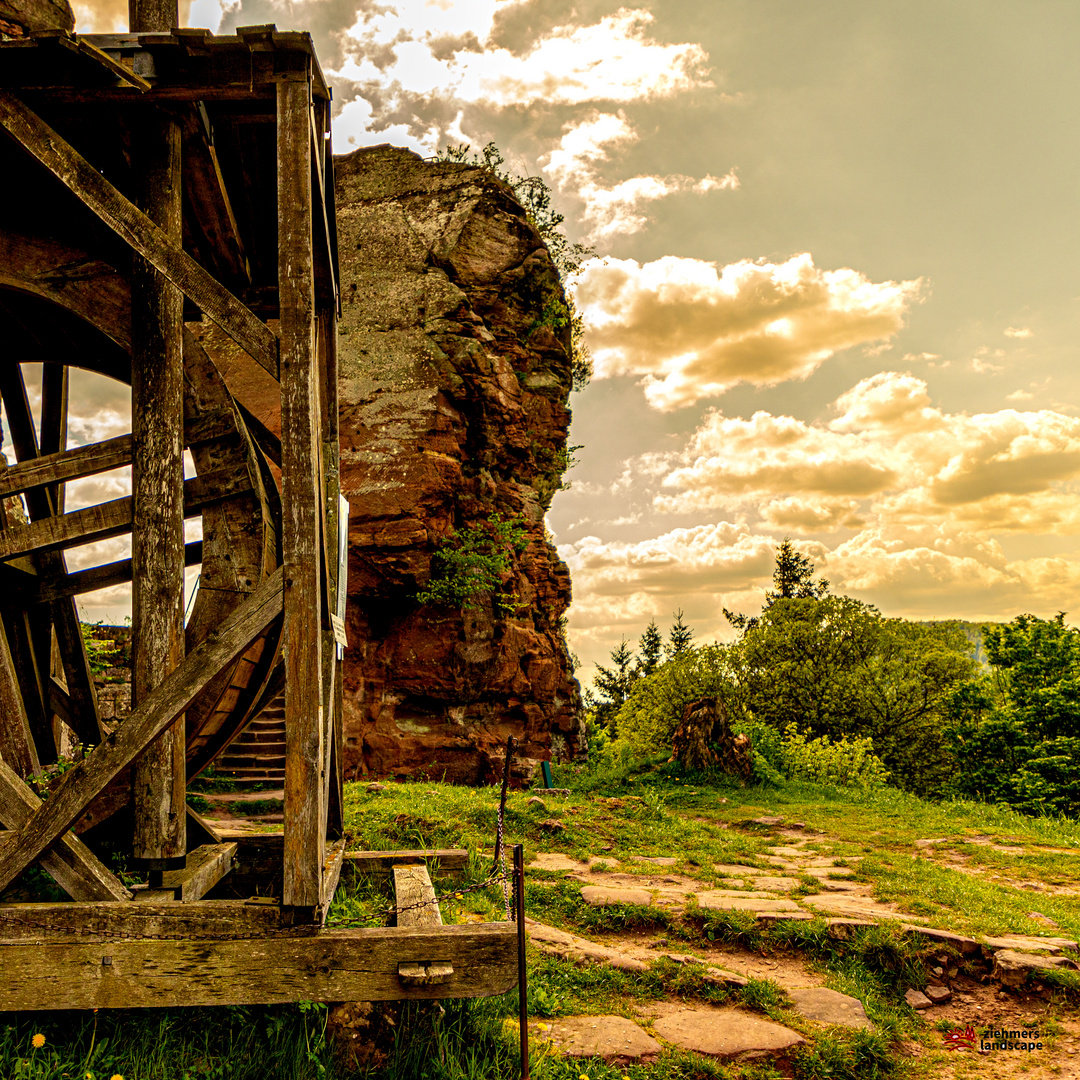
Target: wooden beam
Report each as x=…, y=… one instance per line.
x=443, y=860
x=159, y=775
x=42, y=591
x=206, y=866
x=202, y=920
x=328, y=965
x=331, y=875
x=16, y=741
x=67, y=465
x=81, y=784
x=71, y=864
x=414, y=897
x=137, y=230
x=54, y=407
x=63, y=613
x=114, y=518
x=305, y=807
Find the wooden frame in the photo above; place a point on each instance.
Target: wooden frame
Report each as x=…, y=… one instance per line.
x=222, y=919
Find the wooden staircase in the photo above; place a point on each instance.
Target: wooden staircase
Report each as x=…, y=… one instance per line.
x=257, y=754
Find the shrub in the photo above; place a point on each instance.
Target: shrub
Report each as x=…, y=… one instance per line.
x=847, y=762
x=472, y=562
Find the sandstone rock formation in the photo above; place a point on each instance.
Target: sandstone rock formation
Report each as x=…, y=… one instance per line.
x=19, y=18
x=454, y=374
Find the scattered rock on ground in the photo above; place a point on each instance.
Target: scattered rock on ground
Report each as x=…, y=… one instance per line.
x=917, y=1000
x=830, y=1007
x=537, y=803
x=939, y=995
x=376, y=787
x=601, y=896
x=726, y=1033
x=1011, y=968
x=562, y=943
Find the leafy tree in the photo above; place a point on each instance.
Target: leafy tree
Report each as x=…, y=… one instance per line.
x=680, y=637
x=833, y=666
x=1016, y=732
x=650, y=650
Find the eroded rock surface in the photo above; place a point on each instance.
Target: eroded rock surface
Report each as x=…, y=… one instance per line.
x=454, y=374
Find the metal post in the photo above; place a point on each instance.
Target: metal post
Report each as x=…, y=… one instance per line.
x=523, y=979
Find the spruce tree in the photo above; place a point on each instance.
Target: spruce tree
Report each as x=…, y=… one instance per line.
x=650, y=650
x=679, y=637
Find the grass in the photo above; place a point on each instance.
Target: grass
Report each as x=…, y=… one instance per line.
x=645, y=808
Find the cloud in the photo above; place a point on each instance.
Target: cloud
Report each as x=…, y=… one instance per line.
x=889, y=458
x=1019, y=332
x=614, y=209
x=397, y=66
x=111, y=16
x=693, y=329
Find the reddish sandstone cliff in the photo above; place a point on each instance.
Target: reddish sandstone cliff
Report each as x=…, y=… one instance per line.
x=454, y=378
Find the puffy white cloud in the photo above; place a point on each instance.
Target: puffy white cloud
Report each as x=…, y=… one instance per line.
x=611, y=60
x=613, y=209
x=890, y=457
x=1019, y=332
x=693, y=329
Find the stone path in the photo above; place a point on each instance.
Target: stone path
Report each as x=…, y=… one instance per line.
x=736, y=1034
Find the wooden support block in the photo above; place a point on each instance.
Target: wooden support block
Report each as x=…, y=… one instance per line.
x=320, y=965
x=414, y=897
x=331, y=875
x=305, y=806
x=444, y=860
x=206, y=866
x=70, y=863
x=81, y=784
x=137, y=230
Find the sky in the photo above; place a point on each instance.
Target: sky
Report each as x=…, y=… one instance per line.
x=835, y=290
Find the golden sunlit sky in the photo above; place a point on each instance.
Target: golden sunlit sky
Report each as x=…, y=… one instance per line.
x=835, y=293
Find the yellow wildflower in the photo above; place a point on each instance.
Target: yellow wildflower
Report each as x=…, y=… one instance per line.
x=38, y=1041
x=116, y=1076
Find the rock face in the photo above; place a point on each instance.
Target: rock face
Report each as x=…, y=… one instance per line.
x=19, y=18
x=454, y=374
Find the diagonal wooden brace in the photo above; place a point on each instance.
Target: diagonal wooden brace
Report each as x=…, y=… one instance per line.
x=81, y=785
x=135, y=228
x=70, y=863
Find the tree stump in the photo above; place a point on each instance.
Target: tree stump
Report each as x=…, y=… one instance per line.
x=704, y=740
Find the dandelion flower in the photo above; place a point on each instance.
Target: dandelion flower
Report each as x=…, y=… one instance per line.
x=38, y=1041
x=116, y=1076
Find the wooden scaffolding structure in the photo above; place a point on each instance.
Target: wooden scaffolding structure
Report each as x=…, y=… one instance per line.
x=154, y=185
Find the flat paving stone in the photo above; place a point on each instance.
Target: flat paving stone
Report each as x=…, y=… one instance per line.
x=719, y=900
x=734, y=870
x=844, y=904
x=603, y=896
x=1024, y=943
x=726, y=1033
x=549, y=939
x=790, y=852
x=825, y=873
x=656, y=860
x=555, y=860
x=773, y=884
x=614, y=1038
x=830, y=1007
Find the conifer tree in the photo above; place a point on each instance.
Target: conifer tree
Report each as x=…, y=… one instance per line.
x=650, y=650
x=679, y=637
x=613, y=684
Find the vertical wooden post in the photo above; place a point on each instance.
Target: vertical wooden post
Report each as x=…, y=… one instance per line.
x=157, y=476
x=148, y=16
x=305, y=809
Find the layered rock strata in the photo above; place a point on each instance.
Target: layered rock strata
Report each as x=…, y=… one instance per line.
x=454, y=374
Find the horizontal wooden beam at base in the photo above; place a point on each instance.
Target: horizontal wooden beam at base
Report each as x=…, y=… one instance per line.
x=79, y=786
x=137, y=230
x=109, y=519
x=321, y=965
x=206, y=866
x=108, y=921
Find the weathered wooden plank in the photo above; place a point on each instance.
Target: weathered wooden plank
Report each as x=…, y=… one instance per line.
x=63, y=614
x=81, y=784
x=114, y=518
x=67, y=465
x=105, y=921
x=331, y=875
x=200, y=831
x=206, y=866
x=70, y=863
x=16, y=742
x=442, y=860
x=42, y=591
x=305, y=810
x=137, y=230
x=327, y=965
x=54, y=407
x=414, y=897
x=159, y=775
